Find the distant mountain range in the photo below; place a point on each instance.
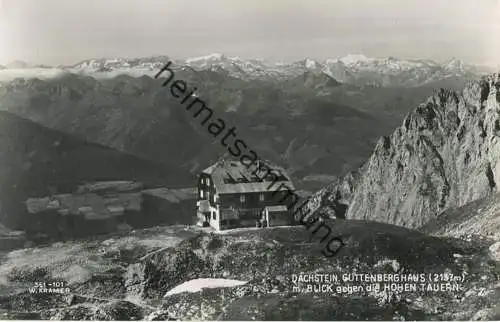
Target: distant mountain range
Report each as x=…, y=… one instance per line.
x=312, y=124
x=351, y=69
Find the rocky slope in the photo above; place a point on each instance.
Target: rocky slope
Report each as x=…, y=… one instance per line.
x=128, y=276
x=445, y=154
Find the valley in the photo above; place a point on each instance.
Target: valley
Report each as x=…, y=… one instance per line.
x=312, y=124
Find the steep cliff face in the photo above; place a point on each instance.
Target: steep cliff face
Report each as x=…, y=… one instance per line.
x=445, y=154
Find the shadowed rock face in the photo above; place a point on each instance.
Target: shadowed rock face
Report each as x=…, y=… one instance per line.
x=445, y=154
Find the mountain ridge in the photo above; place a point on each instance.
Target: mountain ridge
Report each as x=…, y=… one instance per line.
x=352, y=69
x=445, y=154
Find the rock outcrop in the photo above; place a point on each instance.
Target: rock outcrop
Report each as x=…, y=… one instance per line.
x=445, y=154
x=131, y=277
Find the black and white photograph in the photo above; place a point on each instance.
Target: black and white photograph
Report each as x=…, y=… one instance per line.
x=250, y=160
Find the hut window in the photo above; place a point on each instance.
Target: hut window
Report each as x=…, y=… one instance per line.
x=242, y=199
x=261, y=197
x=201, y=194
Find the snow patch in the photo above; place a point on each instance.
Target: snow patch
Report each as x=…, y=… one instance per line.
x=495, y=251
x=394, y=264
x=311, y=64
x=198, y=284
x=76, y=274
x=353, y=59
x=332, y=61
x=214, y=56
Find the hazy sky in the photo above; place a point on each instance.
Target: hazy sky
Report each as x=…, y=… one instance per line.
x=66, y=31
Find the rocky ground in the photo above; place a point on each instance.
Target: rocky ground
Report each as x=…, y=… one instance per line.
x=126, y=277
